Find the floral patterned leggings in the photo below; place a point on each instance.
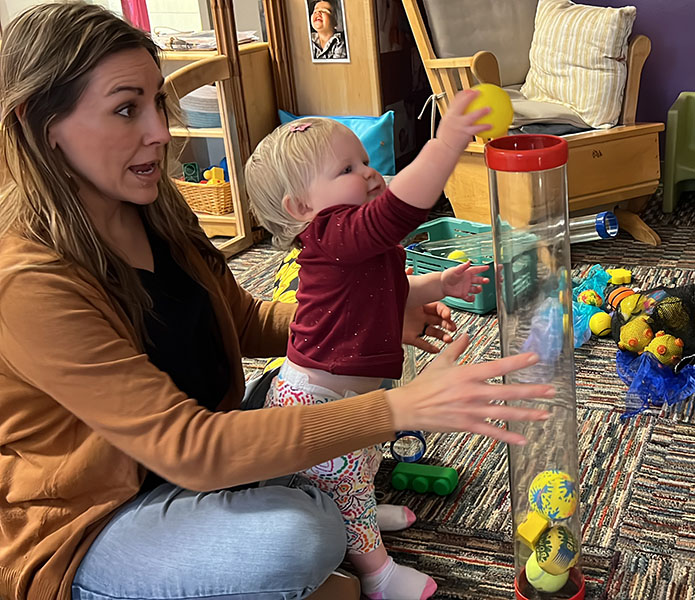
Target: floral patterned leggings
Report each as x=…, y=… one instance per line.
x=349, y=479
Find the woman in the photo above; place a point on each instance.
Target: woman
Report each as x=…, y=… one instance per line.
x=127, y=469
x=327, y=43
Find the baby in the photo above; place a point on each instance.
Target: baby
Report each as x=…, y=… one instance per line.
x=311, y=186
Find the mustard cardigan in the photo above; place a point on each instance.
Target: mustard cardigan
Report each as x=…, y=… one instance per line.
x=82, y=413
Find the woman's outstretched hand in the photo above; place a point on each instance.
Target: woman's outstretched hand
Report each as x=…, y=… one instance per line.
x=448, y=396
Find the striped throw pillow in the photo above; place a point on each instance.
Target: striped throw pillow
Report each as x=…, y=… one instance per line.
x=577, y=58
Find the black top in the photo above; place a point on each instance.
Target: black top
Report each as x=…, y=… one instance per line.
x=182, y=330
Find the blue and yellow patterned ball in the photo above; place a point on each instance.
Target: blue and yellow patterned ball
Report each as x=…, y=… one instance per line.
x=557, y=550
x=554, y=494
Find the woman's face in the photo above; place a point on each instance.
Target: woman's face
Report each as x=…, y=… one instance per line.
x=114, y=138
x=323, y=19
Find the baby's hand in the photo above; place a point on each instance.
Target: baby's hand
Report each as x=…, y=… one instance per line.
x=457, y=129
x=463, y=281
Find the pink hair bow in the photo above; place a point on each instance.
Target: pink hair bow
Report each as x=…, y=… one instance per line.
x=300, y=127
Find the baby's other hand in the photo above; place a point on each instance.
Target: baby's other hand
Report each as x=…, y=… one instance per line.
x=457, y=129
x=463, y=281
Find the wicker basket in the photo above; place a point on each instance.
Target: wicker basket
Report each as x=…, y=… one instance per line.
x=214, y=199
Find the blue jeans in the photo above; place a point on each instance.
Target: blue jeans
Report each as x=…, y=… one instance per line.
x=266, y=543
x=274, y=542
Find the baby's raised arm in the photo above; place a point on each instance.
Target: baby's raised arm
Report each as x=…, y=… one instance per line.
x=422, y=181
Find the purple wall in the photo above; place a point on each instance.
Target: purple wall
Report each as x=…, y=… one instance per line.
x=670, y=68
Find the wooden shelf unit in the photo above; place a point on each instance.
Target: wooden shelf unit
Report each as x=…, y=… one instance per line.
x=259, y=108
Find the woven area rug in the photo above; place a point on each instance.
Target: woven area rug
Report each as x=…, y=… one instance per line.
x=637, y=476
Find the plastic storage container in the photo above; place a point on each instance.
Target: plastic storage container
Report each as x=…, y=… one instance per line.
x=479, y=251
x=528, y=192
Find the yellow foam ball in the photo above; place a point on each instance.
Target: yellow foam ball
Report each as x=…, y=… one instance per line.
x=501, y=112
x=557, y=550
x=542, y=581
x=553, y=494
x=457, y=255
x=600, y=324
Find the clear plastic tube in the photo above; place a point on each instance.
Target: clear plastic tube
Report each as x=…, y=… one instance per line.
x=603, y=225
x=534, y=307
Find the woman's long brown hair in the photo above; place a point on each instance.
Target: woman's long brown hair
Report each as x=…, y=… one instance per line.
x=47, y=55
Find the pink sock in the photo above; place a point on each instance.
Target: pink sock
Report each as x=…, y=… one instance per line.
x=392, y=581
x=391, y=517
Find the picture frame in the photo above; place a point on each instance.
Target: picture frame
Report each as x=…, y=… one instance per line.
x=327, y=32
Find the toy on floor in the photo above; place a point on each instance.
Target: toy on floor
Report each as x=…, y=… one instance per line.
x=588, y=304
x=600, y=324
x=636, y=335
x=620, y=276
x=529, y=177
x=601, y=226
x=590, y=297
x=424, y=478
x=409, y=446
x=656, y=340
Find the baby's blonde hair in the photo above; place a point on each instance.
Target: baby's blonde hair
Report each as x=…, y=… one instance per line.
x=284, y=164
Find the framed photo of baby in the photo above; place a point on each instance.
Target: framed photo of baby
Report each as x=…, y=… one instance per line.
x=327, y=33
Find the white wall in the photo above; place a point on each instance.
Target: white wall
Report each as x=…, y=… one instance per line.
x=247, y=16
x=9, y=9
x=182, y=15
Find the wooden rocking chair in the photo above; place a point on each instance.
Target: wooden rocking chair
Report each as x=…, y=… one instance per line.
x=616, y=168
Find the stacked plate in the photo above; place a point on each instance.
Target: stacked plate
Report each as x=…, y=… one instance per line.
x=201, y=107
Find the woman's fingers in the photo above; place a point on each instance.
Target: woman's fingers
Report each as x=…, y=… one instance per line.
x=506, y=413
x=502, y=366
x=497, y=433
x=518, y=391
x=455, y=349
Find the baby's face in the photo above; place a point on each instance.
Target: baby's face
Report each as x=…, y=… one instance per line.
x=345, y=176
x=322, y=17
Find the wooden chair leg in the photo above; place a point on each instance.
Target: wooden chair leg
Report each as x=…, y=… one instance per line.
x=636, y=227
x=339, y=586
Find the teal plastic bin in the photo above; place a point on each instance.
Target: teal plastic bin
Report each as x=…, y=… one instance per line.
x=479, y=251
x=426, y=262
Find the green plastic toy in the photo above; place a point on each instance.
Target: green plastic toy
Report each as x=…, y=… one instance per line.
x=679, y=156
x=424, y=478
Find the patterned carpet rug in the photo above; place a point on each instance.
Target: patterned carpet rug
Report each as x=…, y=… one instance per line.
x=637, y=476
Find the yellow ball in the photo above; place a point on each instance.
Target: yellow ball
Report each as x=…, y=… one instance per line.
x=553, y=494
x=542, y=581
x=557, y=550
x=501, y=112
x=457, y=255
x=600, y=324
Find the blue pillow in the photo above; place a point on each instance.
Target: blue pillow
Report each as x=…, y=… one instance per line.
x=375, y=133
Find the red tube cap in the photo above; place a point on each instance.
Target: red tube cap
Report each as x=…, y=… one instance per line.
x=525, y=153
